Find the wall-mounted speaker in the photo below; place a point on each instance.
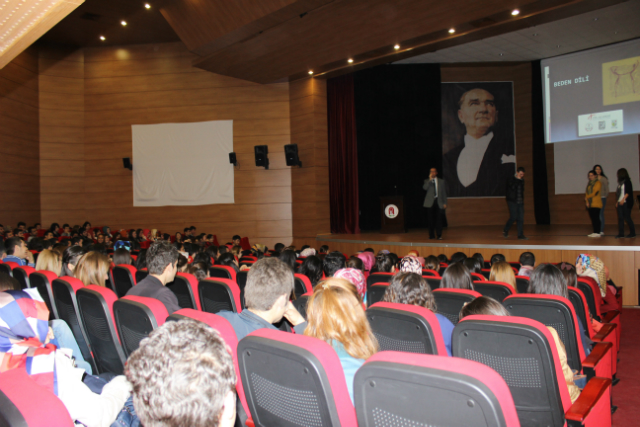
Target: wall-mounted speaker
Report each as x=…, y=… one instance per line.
x=232, y=159
x=262, y=155
x=126, y=162
x=291, y=155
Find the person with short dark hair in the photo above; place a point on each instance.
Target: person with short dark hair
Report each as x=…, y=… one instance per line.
x=436, y=202
x=166, y=368
x=384, y=264
x=456, y=276
x=229, y=260
x=122, y=257
x=355, y=262
x=312, y=268
x=236, y=240
x=17, y=252
x=443, y=258
x=458, y=257
x=324, y=249
x=278, y=247
x=432, y=263
x=515, y=201
x=527, y=262
x=497, y=258
x=21, y=225
x=70, y=259
x=333, y=262
x=269, y=286
x=199, y=269
x=624, y=203
x=162, y=259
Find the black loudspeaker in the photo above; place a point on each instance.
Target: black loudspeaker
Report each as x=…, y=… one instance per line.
x=126, y=162
x=291, y=155
x=232, y=159
x=262, y=155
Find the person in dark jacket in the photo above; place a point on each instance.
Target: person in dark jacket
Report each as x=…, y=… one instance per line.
x=624, y=203
x=515, y=201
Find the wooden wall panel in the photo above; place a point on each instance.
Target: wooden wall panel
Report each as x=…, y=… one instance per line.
x=20, y=198
x=490, y=211
x=62, y=162
x=310, y=183
x=156, y=83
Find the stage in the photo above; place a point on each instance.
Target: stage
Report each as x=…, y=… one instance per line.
x=549, y=243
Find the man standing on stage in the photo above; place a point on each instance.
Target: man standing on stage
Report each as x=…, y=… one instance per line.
x=515, y=201
x=435, y=202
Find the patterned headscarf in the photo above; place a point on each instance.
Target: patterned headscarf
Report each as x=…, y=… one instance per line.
x=354, y=276
x=23, y=330
x=368, y=259
x=308, y=252
x=594, y=267
x=410, y=264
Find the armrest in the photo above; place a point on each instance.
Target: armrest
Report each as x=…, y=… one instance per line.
x=594, y=391
x=250, y=423
x=606, y=329
x=598, y=355
x=610, y=315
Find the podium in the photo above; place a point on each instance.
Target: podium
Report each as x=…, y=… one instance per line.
x=392, y=215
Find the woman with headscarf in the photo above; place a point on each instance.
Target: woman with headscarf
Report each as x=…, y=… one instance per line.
x=593, y=202
x=307, y=252
x=24, y=344
x=356, y=277
x=411, y=264
x=591, y=266
x=369, y=260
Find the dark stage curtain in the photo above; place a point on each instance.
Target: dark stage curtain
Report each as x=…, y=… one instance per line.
x=399, y=137
x=540, y=180
x=343, y=155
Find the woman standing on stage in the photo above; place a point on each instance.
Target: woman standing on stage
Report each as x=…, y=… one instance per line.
x=624, y=203
x=604, y=192
x=594, y=202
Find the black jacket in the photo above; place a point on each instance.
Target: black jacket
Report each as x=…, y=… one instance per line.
x=512, y=189
x=628, y=189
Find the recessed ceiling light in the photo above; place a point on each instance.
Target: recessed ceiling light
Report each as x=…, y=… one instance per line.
x=515, y=12
x=452, y=30
x=501, y=54
x=103, y=38
x=595, y=19
x=310, y=72
x=535, y=34
x=396, y=47
x=350, y=61
x=558, y=46
x=615, y=32
x=123, y=23
x=147, y=6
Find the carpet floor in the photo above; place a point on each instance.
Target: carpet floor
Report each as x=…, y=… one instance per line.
x=626, y=395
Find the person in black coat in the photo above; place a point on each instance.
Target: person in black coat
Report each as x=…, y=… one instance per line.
x=515, y=200
x=624, y=203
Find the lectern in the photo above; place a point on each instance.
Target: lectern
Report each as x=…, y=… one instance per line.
x=392, y=214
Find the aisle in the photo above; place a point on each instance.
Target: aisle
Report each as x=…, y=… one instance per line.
x=626, y=395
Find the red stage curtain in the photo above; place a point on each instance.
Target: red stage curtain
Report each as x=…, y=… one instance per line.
x=343, y=155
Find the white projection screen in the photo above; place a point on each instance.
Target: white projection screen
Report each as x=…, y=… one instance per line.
x=574, y=159
x=182, y=164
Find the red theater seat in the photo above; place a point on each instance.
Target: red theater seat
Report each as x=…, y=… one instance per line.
x=135, y=318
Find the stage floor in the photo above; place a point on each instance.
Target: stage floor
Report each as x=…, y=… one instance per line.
x=568, y=237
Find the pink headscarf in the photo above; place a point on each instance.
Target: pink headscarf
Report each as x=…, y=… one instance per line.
x=368, y=259
x=354, y=276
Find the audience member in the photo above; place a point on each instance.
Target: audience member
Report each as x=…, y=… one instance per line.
x=92, y=268
x=479, y=257
x=527, y=262
x=443, y=258
x=8, y=283
x=413, y=289
x=289, y=258
x=307, y=252
x=70, y=259
x=369, y=260
x=473, y=264
x=497, y=258
x=336, y=316
x=141, y=260
x=324, y=249
x=200, y=270
x=17, y=252
x=50, y=261
x=229, y=260
x=458, y=257
x=410, y=264
x=266, y=294
x=333, y=262
x=122, y=257
x=236, y=240
x=312, y=268
x=355, y=262
x=501, y=271
x=431, y=263
x=355, y=277
x=384, y=264
x=456, y=276
x=183, y=375
x=162, y=260
x=183, y=263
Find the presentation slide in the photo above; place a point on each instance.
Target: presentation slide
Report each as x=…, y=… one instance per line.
x=593, y=93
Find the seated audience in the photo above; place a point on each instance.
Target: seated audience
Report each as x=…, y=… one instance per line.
x=384, y=264
x=122, y=257
x=410, y=264
x=458, y=257
x=324, y=249
x=547, y=279
x=355, y=262
x=70, y=259
x=279, y=247
x=431, y=263
x=413, y=289
x=289, y=258
x=17, y=252
x=479, y=257
x=229, y=260
x=236, y=240
x=333, y=262
x=200, y=270
x=50, y=261
x=183, y=375
x=141, y=260
x=312, y=268
x=527, y=262
x=336, y=316
x=92, y=268
x=266, y=295
x=369, y=260
x=8, y=283
x=501, y=271
x=497, y=258
x=53, y=368
x=487, y=306
x=443, y=258
x=593, y=267
x=202, y=257
x=356, y=278
x=456, y=276
x=183, y=263
x=473, y=264
x=162, y=260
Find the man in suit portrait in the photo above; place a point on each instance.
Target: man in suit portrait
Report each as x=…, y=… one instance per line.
x=482, y=162
x=435, y=202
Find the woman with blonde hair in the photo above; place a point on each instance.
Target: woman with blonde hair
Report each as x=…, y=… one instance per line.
x=92, y=269
x=335, y=315
x=502, y=272
x=50, y=261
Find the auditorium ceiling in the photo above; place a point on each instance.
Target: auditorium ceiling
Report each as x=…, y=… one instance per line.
x=273, y=40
